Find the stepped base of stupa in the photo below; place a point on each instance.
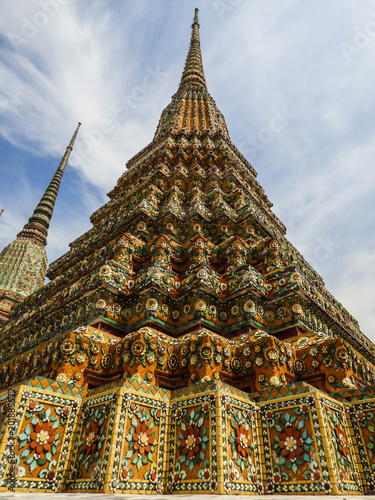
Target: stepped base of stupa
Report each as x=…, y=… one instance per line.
x=133, y=436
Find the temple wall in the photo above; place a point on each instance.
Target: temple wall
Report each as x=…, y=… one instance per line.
x=132, y=437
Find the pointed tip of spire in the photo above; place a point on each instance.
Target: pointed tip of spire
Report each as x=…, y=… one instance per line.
x=196, y=16
x=74, y=137
x=193, y=72
x=38, y=224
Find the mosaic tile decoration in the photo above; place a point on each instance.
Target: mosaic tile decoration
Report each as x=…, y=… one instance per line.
x=44, y=423
x=240, y=446
x=182, y=344
x=139, y=458
x=341, y=446
x=362, y=423
x=295, y=460
x=89, y=463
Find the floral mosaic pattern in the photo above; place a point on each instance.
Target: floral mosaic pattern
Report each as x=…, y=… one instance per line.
x=362, y=417
x=341, y=446
x=241, y=451
x=89, y=462
x=45, y=424
x=295, y=457
x=260, y=358
x=29, y=363
x=193, y=445
x=140, y=448
x=188, y=244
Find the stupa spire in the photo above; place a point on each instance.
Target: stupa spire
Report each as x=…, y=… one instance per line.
x=193, y=72
x=23, y=263
x=192, y=109
x=37, y=227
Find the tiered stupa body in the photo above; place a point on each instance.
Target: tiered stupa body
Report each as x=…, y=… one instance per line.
x=183, y=344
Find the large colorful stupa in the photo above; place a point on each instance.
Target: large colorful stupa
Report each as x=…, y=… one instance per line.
x=182, y=345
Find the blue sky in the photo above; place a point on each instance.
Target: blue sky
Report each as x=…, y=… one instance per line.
x=293, y=79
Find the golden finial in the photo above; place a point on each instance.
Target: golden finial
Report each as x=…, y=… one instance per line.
x=193, y=72
x=196, y=16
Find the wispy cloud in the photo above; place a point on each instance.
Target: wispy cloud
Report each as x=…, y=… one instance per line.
x=114, y=66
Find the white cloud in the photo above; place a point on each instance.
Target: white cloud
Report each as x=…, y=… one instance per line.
x=114, y=66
